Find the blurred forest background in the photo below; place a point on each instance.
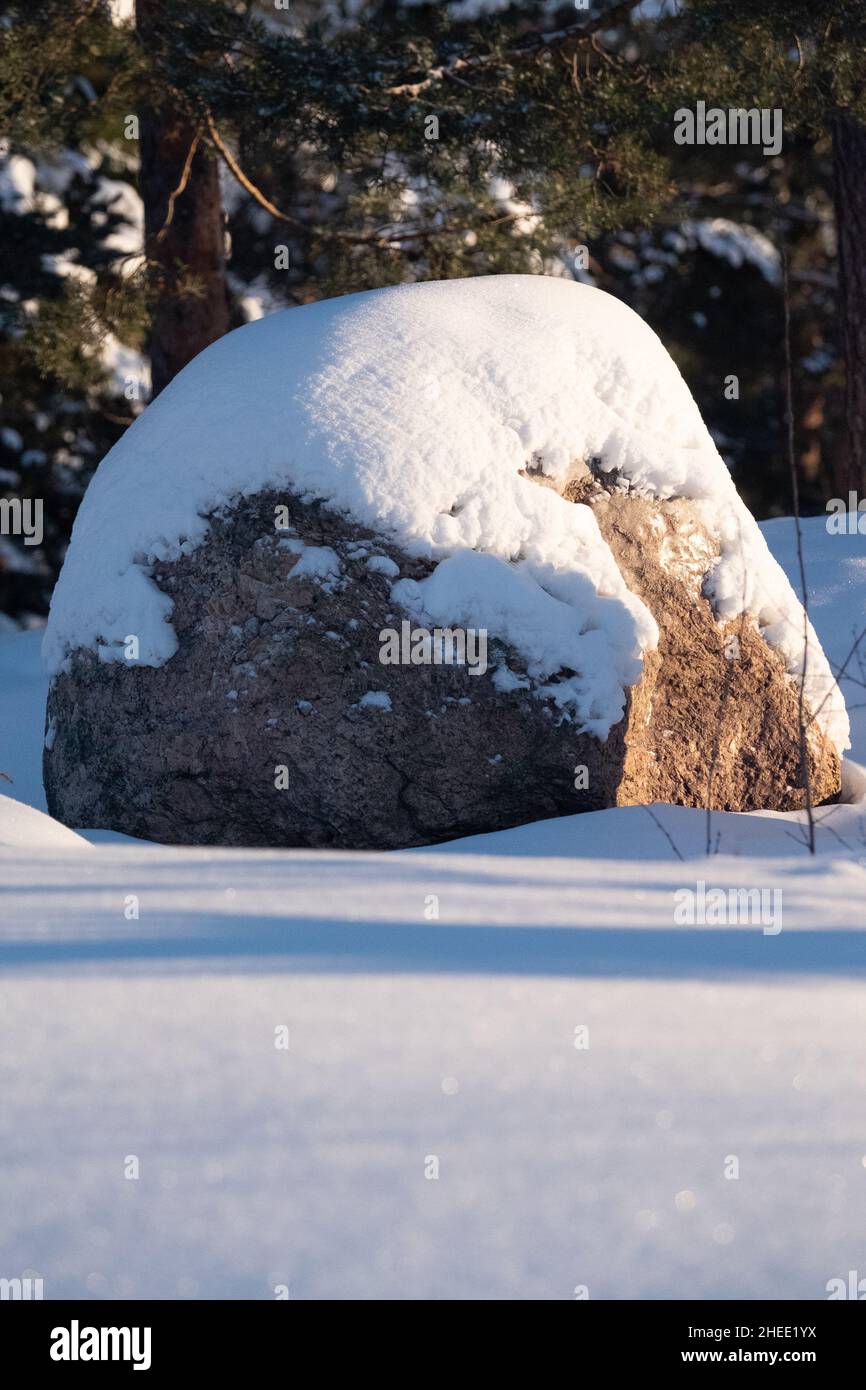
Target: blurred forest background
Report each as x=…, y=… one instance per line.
x=171, y=170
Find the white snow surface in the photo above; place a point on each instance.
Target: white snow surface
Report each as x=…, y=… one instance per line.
x=141, y=988
x=23, y=827
x=413, y=410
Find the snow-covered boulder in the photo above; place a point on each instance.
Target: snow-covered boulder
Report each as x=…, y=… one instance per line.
x=245, y=642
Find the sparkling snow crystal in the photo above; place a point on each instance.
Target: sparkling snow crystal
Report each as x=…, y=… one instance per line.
x=413, y=410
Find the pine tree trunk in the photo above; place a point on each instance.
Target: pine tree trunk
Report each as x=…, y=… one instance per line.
x=849, y=177
x=187, y=259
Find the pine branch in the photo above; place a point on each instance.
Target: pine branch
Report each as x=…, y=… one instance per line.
x=244, y=181
x=538, y=43
x=332, y=234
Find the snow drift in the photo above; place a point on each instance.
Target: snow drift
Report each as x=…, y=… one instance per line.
x=24, y=827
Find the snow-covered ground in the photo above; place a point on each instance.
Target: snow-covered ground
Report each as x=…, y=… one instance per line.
x=419, y=1042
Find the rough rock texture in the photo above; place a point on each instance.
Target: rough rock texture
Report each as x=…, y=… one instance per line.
x=714, y=720
x=256, y=732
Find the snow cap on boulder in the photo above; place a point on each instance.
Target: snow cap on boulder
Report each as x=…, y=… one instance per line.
x=419, y=411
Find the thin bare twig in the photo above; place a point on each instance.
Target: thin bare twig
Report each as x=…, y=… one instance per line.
x=242, y=178
x=841, y=672
x=795, y=495
x=176, y=192
x=651, y=813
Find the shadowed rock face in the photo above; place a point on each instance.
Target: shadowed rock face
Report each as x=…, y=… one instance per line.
x=256, y=732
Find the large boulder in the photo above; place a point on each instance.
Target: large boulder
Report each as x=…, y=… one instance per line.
x=258, y=672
